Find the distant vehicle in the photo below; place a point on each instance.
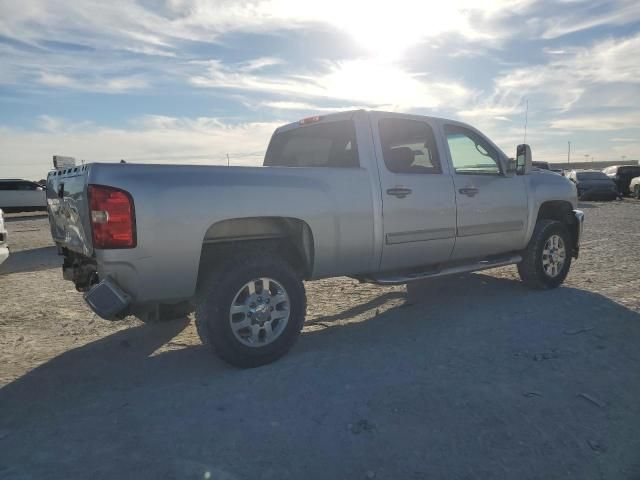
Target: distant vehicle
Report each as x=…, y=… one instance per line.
x=593, y=185
x=634, y=186
x=622, y=175
x=4, y=249
x=386, y=198
x=541, y=165
x=22, y=196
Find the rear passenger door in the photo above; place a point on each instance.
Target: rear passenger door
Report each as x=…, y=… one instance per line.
x=418, y=199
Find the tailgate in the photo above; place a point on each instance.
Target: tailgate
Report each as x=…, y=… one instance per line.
x=68, y=207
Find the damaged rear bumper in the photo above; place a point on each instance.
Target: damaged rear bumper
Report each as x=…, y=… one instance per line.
x=108, y=300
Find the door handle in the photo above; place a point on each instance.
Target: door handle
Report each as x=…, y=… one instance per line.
x=469, y=191
x=399, y=192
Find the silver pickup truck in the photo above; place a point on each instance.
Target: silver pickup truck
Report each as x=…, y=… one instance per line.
x=385, y=198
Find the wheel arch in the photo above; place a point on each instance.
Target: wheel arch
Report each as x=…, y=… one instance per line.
x=289, y=237
x=561, y=211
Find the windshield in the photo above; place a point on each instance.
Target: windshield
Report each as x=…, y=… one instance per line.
x=592, y=176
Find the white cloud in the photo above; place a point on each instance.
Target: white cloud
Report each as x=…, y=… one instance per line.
x=566, y=78
x=106, y=85
x=150, y=139
x=593, y=15
x=362, y=81
x=598, y=122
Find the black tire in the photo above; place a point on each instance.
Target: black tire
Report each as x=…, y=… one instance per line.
x=217, y=293
x=531, y=269
x=636, y=191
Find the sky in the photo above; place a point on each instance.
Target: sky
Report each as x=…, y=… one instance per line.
x=192, y=81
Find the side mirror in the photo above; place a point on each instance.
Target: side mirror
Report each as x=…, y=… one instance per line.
x=523, y=159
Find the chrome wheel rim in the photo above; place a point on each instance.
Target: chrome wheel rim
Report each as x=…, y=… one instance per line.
x=554, y=255
x=259, y=312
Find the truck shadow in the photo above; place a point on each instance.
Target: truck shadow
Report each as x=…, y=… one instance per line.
x=470, y=363
x=32, y=260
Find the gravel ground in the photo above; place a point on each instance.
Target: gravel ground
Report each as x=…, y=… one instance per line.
x=472, y=377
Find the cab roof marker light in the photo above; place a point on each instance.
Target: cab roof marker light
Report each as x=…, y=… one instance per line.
x=309, y=120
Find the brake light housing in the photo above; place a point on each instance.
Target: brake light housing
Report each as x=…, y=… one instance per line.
x=113, y=219
x=310, y=120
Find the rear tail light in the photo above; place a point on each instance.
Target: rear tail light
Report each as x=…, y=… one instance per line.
x=113, y=220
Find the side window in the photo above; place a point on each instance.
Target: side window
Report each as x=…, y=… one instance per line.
x=408, y=146
x=470, y=153
x=330, y=144
x=27, y=186
x=10, y=186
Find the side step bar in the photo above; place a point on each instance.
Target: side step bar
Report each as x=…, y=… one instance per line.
x=471, y=267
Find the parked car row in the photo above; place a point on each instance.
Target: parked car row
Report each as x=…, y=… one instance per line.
x=622, y=175
x=18, y=195
x=608, y=184
x=593, y=185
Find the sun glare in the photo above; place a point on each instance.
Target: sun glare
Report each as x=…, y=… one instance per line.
x=386, y=29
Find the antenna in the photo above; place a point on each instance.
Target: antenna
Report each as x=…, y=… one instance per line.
x=526, y=119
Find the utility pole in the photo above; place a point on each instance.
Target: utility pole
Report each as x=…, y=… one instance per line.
x=569, y=152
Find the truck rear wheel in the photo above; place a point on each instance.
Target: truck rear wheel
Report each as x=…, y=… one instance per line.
x=547, y=259
x=251, y=309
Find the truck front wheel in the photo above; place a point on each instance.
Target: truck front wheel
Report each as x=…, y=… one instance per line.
x=251, y=310
x=547, y=259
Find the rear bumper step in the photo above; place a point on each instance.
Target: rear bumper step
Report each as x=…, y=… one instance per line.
x=108, y=300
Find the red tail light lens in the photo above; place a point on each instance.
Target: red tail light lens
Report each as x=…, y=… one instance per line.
x=113, y=220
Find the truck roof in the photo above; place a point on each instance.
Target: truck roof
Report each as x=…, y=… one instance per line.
x=348, y=114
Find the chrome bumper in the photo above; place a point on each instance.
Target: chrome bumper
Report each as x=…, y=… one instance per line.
x=579, y=214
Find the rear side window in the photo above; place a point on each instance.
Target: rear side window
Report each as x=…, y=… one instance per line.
x=408, y=146
x=323, y=145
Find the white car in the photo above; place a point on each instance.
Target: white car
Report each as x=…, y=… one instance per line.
x=634, y=187
x=4, y=249
x=22, y=196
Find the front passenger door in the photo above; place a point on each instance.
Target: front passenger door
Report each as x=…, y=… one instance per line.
x=492, y=206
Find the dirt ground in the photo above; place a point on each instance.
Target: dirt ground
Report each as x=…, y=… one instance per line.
x=472, y=377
